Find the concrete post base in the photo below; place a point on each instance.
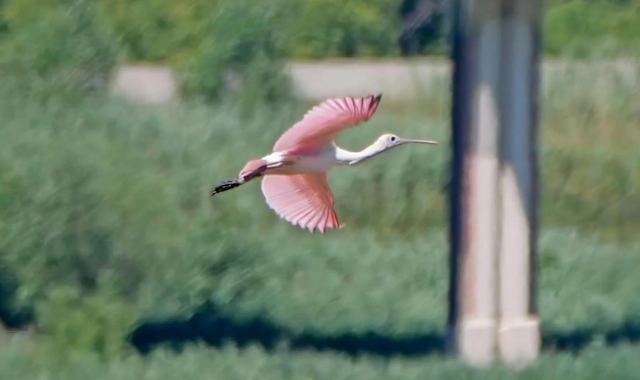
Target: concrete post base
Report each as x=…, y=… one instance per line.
x=476, y=341
x=519, y=341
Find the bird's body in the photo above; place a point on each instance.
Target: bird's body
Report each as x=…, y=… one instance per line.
x=294, y=175
x=309, y=162
x=302, y=162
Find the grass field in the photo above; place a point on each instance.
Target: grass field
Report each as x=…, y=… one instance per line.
x=108, y=237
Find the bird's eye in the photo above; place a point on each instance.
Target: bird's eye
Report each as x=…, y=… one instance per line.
x=393, y=138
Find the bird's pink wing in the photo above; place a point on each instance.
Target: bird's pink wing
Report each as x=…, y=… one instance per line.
x=305, y=200
x=321, y=124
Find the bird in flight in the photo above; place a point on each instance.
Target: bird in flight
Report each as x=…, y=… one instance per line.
x=294, y=176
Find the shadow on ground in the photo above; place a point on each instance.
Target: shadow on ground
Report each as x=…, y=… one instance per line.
x=578, y=339
x=12, y=316
x=215, y=327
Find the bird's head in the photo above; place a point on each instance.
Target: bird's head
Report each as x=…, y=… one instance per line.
x=389, y=140
x=384, y=143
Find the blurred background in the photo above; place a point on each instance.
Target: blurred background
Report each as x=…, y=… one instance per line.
x=116, y=117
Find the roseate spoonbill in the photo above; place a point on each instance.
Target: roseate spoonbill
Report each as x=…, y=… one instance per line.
x=294, y=180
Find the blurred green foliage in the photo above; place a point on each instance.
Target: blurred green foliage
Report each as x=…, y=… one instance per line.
x=592, y=28
x=178, y=31
x=173, y=30
x=72, y=323
x=157, y=30
x=339, y=28
x=55, y=46
x=169, y=30
x=246, y=63
x=237, y=48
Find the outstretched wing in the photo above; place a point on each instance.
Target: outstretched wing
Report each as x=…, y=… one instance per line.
x=322, y=123
x=305, y=200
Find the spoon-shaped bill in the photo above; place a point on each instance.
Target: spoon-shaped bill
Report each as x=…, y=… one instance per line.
x=405, y=141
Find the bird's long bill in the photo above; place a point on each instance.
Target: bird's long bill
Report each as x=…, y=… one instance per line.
x=407, y=141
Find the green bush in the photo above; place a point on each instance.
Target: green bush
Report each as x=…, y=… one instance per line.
x=160, y=30
x=82, y=210
x=339, y=28
x=56, y=46
x=73, y=323
x=172, y=31
x=243, y=56
x=600, y=28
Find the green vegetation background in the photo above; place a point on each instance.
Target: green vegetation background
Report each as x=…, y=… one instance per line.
x=106, y=223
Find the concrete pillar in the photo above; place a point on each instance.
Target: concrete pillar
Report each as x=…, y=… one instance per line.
x=518, y=334
x=492, y=313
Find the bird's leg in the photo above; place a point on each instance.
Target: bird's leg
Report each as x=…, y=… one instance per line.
x=226, y=185
x=277, y=165
x=252, y=169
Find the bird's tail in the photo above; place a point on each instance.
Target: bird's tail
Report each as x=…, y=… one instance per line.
x=226, y=185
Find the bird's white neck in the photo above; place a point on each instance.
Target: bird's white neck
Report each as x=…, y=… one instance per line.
x=346, y=157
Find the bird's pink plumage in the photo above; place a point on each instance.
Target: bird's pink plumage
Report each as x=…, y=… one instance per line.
x=324, y=122
x=253, y=168
x=305, y=200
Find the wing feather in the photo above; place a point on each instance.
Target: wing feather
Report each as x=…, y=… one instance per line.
x=322, y=123
x=305, y=200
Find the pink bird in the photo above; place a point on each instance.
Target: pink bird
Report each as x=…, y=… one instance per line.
x=294, y=180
